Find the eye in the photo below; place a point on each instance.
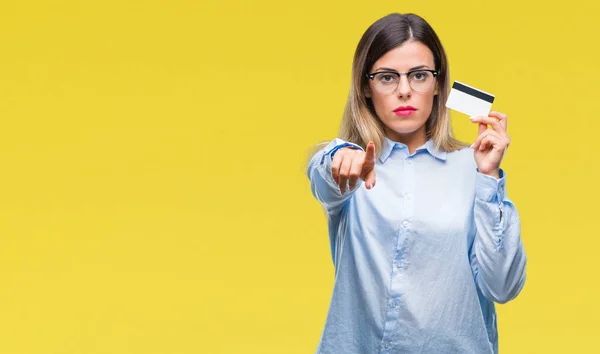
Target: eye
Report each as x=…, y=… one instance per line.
x=420, y=75
x=387, y=78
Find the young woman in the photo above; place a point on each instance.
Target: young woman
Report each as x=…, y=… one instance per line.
x=423, y=237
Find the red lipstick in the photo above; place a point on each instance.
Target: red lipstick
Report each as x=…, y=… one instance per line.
x=405, y=110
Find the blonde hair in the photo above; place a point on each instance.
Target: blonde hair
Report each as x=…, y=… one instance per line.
x=360, y=123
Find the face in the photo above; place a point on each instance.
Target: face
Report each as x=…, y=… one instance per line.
x=406, y=124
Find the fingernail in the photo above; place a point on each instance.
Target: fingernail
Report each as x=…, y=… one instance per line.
x=472, y=118
x=472, y=145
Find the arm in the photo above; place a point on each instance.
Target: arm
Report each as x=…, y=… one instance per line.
x=497, y=255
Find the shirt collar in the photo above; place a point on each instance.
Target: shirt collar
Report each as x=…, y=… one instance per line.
x=429, y=146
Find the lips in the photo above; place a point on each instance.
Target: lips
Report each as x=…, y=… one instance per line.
x=405, y=109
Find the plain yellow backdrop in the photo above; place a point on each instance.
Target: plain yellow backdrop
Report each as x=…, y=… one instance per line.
x=153, y=196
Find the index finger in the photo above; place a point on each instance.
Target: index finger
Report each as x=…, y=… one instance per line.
x=370, y=154
x=482, y=127
x=502, y=118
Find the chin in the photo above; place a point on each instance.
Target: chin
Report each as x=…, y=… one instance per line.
x=404, y=129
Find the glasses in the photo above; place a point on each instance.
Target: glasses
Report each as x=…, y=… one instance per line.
x=387, y=82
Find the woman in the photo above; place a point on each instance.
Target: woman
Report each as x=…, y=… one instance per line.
x=423, y=237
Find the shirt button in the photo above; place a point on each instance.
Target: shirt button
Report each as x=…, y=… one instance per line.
x=405, y=224
x=408, y=162
x=408, y=196
x=398, y=264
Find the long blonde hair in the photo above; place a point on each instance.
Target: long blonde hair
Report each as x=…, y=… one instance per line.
x=360, y=123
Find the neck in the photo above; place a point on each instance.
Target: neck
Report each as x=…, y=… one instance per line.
x=412, y=140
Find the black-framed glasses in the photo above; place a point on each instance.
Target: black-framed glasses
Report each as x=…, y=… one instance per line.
x=421, y=80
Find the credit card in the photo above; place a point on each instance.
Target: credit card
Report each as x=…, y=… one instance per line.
x=469, y=100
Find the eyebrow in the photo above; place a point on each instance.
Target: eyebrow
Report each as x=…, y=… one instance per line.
x=394, y=70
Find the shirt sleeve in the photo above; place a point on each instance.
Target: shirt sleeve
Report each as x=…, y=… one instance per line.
x=497, y=254
x=322, y=184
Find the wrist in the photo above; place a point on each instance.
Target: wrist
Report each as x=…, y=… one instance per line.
x=493, y=173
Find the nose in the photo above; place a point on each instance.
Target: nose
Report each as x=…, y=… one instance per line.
x=403, y=89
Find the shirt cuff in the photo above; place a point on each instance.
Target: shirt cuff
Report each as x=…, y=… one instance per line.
x=335, y=145
x=490, y=189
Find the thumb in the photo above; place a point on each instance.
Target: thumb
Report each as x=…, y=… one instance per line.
x=370, y=179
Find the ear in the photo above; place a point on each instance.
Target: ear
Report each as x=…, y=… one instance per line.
x=367, y=92
x=436, y=91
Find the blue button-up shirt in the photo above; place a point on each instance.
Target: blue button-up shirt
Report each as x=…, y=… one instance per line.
x=421, y=258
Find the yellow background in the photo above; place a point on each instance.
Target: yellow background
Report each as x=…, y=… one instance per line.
x=153, y=196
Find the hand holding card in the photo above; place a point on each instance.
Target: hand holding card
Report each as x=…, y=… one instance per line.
x=491, y=144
